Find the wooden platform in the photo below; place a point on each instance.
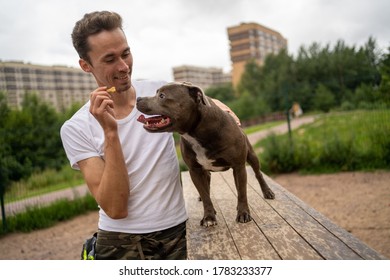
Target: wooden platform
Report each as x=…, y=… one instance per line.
x=284, y=228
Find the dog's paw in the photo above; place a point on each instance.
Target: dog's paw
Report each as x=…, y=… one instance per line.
x=208, y=222
x=243, y=217
x=269, y=194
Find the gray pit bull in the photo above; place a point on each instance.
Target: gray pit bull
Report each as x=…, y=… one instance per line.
x=211, y=140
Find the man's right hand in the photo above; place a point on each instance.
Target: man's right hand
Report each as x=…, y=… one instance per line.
x=102, y=108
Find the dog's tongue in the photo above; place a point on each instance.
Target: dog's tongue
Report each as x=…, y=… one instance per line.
x=154, y=122
x=141, y=119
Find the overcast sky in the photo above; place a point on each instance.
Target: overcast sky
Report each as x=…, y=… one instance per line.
x=166, y=33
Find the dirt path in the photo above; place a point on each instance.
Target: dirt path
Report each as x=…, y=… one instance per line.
x=60, y=242
x=279, y=129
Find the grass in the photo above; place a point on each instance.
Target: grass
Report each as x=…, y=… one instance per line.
x=256, y=128
x=358, y=140
x=42, y=183
x=42, y=217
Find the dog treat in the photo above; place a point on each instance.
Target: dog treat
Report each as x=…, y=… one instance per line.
x=111, y=90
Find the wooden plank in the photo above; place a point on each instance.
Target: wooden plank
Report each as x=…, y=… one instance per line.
x=205, y=243
x=250, y=241
x=284, y=228
x=285, y=240
x=317, y=235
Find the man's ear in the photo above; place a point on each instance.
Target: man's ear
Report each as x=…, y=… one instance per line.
x=85, y=65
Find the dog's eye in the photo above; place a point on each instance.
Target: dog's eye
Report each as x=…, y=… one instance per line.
x=161, y=95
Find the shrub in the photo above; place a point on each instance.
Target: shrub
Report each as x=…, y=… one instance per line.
x=278, y=155
x=338, y=154
x=359, y=140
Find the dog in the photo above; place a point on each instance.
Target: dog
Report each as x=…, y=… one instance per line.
x=211, y=141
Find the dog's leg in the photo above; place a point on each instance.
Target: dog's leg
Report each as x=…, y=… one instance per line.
x=201, y=180
x=240, y=180
x=255, y=164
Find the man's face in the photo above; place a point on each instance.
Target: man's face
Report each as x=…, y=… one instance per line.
x=111, y=61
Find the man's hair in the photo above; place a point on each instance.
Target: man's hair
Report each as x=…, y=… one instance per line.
x=90, y=24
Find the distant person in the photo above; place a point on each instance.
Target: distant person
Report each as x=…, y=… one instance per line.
x=133, y=175
x=296, y=110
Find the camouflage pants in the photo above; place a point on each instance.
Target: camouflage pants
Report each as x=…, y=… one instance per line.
x=169, y=244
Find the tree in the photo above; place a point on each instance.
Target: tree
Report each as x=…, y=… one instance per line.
x=10, y=168
x=369, y=73
x=223, y=93
x=323, y=99
x=248, y=106
x=30, y=139
x=384, y=70
x=340, y=75
x=4, y=109
x=250, y=80
x=278, y=81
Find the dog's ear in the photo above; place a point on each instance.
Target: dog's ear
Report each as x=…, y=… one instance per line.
x=198, y=93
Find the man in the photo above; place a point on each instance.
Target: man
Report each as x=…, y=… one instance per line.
x=132, y=174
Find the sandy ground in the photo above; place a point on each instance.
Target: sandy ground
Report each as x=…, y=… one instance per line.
x=356, y=201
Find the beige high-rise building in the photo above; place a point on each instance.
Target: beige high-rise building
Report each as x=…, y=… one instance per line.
x=59, y=86
x=203, y=77
x=252, y=41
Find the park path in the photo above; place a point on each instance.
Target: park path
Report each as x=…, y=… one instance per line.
x=279, y=129
x=46, y=199
x=82, y=190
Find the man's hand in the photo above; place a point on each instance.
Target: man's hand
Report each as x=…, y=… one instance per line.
x=227, y=109
x=102, y=108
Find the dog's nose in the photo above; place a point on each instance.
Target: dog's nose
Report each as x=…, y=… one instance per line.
x=139, y=99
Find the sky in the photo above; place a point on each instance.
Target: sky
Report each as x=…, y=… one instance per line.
x=169, y=33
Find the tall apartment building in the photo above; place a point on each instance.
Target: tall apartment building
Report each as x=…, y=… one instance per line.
x=203, y=77
x=59, y=86
x=252, y=41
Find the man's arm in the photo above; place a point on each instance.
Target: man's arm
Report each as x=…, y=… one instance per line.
x=107, y=179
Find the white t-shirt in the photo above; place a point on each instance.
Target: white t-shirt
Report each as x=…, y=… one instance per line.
x=156, y=197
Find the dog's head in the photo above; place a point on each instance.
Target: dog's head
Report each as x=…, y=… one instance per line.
x=175, y=107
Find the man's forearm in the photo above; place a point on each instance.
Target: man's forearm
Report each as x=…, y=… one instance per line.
x=114, y=188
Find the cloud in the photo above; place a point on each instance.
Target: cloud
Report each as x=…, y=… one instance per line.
x=164, y=34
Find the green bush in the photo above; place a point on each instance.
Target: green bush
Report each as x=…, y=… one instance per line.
x=279, y=156
x=359, y=140
x=338, y=154
x=381, y=140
